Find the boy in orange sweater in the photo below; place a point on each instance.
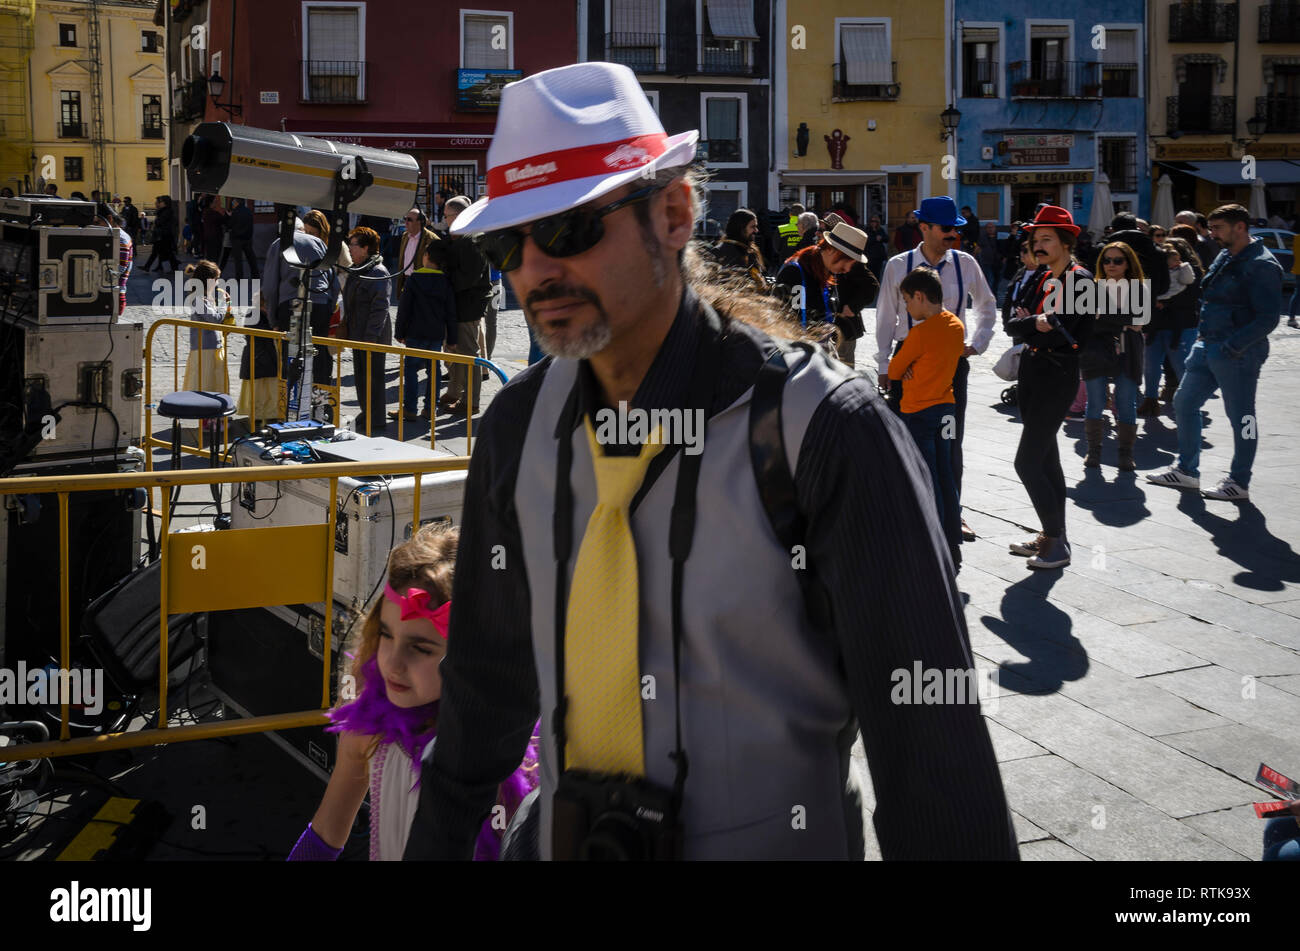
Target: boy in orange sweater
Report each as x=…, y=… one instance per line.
x=926, y=363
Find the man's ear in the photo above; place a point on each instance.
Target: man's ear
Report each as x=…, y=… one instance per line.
x=678, y=222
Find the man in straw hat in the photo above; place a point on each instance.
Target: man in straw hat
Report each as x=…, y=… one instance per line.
x=623, y=578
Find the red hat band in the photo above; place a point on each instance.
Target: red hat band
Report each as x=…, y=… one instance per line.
x=566, y=165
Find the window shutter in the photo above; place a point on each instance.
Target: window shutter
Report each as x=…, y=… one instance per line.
x=1121, y=47
x=731, y=19
x=333, y=36
x=634, y=16
x=479, y=53
x=866, y=54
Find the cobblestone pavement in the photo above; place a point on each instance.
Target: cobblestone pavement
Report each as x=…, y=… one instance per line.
x=1140, y=688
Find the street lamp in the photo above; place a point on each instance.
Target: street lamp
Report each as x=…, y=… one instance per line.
x=949, y=117
x=216, y=86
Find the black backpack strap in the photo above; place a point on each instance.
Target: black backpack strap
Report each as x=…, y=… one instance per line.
x=776, y=486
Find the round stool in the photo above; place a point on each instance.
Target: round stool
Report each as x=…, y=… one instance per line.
x=196, y=405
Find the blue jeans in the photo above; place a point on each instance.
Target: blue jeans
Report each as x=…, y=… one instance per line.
x=412, y=373
x=1126, y=395
x=1174, y=343
x=1208, y=369
x=934, y=430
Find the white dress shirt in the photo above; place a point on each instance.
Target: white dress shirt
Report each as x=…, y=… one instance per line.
x=891, y=312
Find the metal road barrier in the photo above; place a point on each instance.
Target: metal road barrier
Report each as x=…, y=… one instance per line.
x=277, y=565
x=332, y=390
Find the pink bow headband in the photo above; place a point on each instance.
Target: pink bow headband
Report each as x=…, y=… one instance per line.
x=415, y=603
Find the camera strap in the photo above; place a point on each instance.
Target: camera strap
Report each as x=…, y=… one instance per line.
x=708, y=360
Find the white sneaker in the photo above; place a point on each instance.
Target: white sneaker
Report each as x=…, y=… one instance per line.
x=1227, y=490
x=1175, y=478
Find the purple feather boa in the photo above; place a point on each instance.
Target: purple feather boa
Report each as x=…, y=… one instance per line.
x=373, y=714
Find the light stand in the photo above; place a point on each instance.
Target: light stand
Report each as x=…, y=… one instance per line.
x=349, y=183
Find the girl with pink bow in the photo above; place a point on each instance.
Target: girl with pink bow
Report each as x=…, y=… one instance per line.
x=391, y=718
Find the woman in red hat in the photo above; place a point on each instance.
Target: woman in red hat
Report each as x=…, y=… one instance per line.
x=1045, y=320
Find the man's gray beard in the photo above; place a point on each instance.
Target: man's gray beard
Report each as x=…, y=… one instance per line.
x=594, y=339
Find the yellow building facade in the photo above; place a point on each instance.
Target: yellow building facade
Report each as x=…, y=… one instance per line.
x=1214, y=67
x=857, y=121
x=72, y=132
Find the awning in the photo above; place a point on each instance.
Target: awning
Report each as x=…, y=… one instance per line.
x=731, y=19
x=1273, y=171
x=795, y=177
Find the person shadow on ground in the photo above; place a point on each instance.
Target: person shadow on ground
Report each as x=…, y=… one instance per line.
x=1245, y=539
x=1042, y=632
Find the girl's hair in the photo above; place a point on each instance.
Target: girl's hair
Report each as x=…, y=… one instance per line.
x=316, y=219
x=1186, y=252
x=204, y=271
x=1186, y=232
x=427, y=562
x=1134, y=266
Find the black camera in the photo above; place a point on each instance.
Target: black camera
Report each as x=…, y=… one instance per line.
x=601, y=818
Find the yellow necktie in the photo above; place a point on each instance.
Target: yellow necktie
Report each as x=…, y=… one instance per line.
x=602, y=668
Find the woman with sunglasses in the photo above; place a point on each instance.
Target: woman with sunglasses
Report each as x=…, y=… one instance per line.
x=1158, y=234
x=1113, y=353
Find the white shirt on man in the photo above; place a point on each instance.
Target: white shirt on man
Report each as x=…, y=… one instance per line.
x=891, y=312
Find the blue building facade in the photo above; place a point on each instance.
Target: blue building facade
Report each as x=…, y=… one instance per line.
x=1048, y=102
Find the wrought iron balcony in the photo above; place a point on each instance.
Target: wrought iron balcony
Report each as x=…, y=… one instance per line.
x=1202, y=21
x=1119, y=80
x=333, y=80
x=844, y=91
x=189, y=100
x=1055, y=79
x=72, y=130
x=1281, y=113
x=639, y=52
x=1279, y=23
x=1215, y=114
x=979, y=79
x=151, y=130
x=719, y=57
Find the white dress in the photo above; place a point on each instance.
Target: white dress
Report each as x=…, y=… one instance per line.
x=394, y=797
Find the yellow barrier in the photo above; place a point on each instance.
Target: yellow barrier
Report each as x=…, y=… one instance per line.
x=334, y=343
x=184, y=589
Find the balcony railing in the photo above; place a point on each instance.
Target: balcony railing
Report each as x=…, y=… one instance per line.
x=1055, y=79
x=843, y=90
x=72, y=130
x=1217, y=114
x=1279, y=23
x=725, y=57
x=639, y=52
x=189, y=100
x=1281, y=113
x=681, y=55
x=1201, y=21
x=333, y=81
x=1119, y=80
x=980, y=79
x=151, y=130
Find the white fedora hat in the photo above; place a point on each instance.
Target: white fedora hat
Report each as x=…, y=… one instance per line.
x=566, y=136
x=848, y=240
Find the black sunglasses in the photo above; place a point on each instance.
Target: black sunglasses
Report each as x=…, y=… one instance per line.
x=559, y=236
x=1116, y=261
x=946, y=229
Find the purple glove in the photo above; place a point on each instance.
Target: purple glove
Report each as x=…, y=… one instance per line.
x=312, y=848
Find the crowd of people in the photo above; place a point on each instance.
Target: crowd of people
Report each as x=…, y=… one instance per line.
x=950, y=273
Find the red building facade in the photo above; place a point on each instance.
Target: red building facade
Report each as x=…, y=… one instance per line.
x=421, y=78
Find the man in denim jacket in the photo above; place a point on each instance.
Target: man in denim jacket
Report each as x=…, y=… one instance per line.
x=1241, y=299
